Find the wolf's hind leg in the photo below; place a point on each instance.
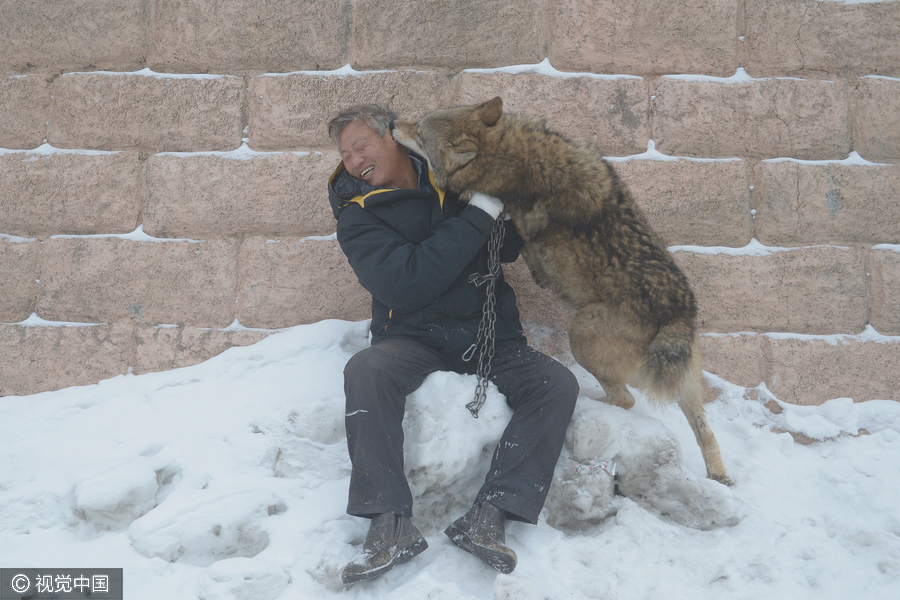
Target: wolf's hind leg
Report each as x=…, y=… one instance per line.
x=616, y=394
x=609, y=347
x=690, y=400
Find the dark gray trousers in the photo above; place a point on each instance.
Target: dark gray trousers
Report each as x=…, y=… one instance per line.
x=540, y=390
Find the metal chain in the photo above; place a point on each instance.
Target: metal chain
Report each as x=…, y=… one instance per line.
x=484, y=342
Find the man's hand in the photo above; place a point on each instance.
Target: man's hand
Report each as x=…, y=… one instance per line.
x=488, y=204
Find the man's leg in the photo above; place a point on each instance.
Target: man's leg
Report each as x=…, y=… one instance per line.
x=376, y=383
x=542, y=393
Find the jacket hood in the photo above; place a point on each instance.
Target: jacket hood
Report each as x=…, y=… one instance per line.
x=344, y=189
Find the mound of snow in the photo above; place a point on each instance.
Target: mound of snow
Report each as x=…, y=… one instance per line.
x=228, y=480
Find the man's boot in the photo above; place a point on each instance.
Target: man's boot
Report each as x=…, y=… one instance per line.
x=392, y=540
x=482, y=532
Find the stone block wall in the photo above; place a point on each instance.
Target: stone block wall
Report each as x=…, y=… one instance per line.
x=163, y=167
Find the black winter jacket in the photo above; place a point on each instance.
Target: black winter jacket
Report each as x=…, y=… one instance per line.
x=414, y=250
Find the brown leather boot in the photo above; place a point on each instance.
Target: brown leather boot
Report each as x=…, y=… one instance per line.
x=482, y=532
x=392, y=540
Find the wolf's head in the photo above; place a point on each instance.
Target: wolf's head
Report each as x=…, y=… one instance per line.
x=451, y=140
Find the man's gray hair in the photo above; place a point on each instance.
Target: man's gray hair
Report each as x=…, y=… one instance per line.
x=377, y=117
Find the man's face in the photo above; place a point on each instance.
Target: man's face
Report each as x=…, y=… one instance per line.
x=378, y=160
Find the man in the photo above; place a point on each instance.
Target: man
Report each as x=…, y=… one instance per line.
x=413, y=247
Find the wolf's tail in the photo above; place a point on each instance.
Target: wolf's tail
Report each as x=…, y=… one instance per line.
x=672, y=361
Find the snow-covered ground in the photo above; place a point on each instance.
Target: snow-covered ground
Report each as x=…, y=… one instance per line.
x=227, y=480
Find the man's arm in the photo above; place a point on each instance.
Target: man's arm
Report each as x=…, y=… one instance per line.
x=406, y=276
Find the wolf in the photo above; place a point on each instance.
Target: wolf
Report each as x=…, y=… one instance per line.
x=632, y=313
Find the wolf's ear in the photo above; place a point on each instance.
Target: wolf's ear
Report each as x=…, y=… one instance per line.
x=490, y=112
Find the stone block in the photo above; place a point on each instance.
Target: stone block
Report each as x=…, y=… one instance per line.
x=796, y=37
x=876, y=118
x=446, y=33
x=611, y=113
x=810, y=290
x=75, y=34
x=735, y=357
x=645, y=38
x=812, y=371
x=160, y=348
x=239, y=194
x=691, y=202
x=25, y=105
x=803, y=203
x=297, y=281
x=537, y=306
x=50, y=192
x=884, y=265
x=153, y=112
x=19, y=277
x=43, y=359
x=291, y=111
x=220, y=36
x=109, y=279
x=760, y=118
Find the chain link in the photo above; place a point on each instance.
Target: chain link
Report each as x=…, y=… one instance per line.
x=484, y=342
